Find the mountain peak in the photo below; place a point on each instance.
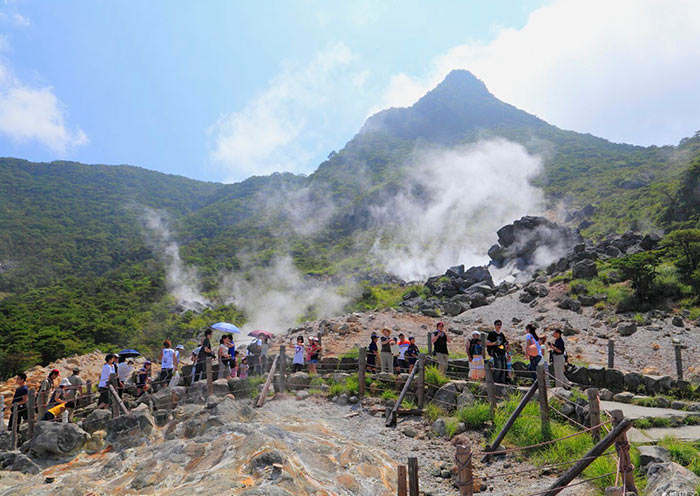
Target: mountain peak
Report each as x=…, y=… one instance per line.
x=461, y=105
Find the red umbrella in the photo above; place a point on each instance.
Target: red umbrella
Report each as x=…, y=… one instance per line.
x=257, y=334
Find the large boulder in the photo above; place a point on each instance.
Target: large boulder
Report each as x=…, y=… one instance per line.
x=585, y=269
x=168, y=398
x=131, y=430
x=656, y=384
x=653, y=454
x=579, y=375
x=57, y=440
x=446, y=396
x=626, y=328
x=597, y=375
x=298, y=380
x=96, y=421
x=614, y=379
x=665, y=479
x=240, y=388
x=221, y=387
x=465, y=398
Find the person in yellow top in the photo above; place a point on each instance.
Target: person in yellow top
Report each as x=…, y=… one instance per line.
x=54, y=412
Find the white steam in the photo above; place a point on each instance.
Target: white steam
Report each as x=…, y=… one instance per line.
x=278, y=296
x=452, y=203
x=181, y=281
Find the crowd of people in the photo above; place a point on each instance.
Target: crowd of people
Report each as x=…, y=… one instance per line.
x=395, y=355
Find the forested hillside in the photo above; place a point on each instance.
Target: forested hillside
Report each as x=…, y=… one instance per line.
x=77, y=269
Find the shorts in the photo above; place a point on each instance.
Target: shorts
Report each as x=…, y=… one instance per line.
x=313, y=360
x=104, y=396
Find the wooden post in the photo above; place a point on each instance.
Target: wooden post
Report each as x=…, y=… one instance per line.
x=88, y=387
x=420, y=394
x=511, y=420
x=210, y=378
x=118, y=401
x=266, y=387
x=43, y=400
x=430, y=343
x=594, y=412
x=392, y=414
x=2, y=412
x=361, y=369
x=320, y=345
x=31, y=405
x=589, y=457
x=490, y=386
x=464, y=470
x=413, y=476
x=622, y=446
x=611, y=353
x=113, y=381
x=679, y=362
x=544, y=400
x=282, y=357
x=15, y=428
x=402, y=487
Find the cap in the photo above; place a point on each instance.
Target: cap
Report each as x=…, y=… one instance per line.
x=147, y=362
x=56, y=371
x=64, y=382
x=76, y=369
x=179, y=347
x=411, y=337
x=476, y=333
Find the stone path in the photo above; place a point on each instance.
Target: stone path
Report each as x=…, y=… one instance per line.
x=686, y=433
x=635, y=411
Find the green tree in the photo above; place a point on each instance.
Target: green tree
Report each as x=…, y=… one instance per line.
x=640, y=270
x=684, y=246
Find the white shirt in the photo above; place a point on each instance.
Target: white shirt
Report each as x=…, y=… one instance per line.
x=298, y=354
x=168, y=357
x=124, y=371
x=107, y=370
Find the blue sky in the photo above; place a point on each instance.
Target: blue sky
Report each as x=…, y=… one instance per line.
x=220, y=90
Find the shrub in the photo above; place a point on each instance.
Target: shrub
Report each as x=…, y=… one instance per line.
x=432, y=412
x=474, y=416
x=434, y=377
x=451, y=424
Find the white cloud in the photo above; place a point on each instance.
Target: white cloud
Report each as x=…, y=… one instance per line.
x=624, y=70
x=15, y=18
x=286, y=126
x=33, y=114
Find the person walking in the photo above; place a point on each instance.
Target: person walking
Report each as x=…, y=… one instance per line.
x=386, y=356
x=558, y=351
x=440, y=340
x=74, y=393
x=103, y=385
x=20, y=399
x=168, y=362
x=533, y=349
x=47, y=387
x=298, y=360
x=497, y=346
x=412, y=353
x=476, y=358
x=204, y=353
x=373, y=353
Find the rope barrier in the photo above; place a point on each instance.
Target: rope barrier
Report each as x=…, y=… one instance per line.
x=585, y=481
x=543, y=443
x=537, y=469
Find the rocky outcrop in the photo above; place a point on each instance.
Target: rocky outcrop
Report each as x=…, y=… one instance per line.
x=18, y=462
x=96, y=421
x=131, y=430
x=670, y=478
x=57, y=440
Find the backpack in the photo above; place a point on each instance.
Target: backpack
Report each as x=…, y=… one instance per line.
x=254, y=348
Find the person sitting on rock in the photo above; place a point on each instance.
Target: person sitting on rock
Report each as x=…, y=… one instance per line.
x=372, y=353
x=54, y=411
x=298, y=360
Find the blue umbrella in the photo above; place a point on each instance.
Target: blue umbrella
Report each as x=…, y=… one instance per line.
x=129, y=353
x=225, y=327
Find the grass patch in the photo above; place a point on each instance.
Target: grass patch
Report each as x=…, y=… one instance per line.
x=315, y=392
x=432, y=412
x=351, y=353
x=434, y=377
x=451, y=425
x=474, y=416
x=682, y=452
x=385, y=296
x=650, y=422
x=389, y=395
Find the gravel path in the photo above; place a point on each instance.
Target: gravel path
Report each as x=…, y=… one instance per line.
x=431, y=453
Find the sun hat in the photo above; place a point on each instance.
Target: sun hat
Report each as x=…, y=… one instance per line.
x=64, y=382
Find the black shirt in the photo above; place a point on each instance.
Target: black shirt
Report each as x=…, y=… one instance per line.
x=19, y=393
x=203, y=354
x=559, y=344
x=386, y=344
x=440, y=344
x=499, y=349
